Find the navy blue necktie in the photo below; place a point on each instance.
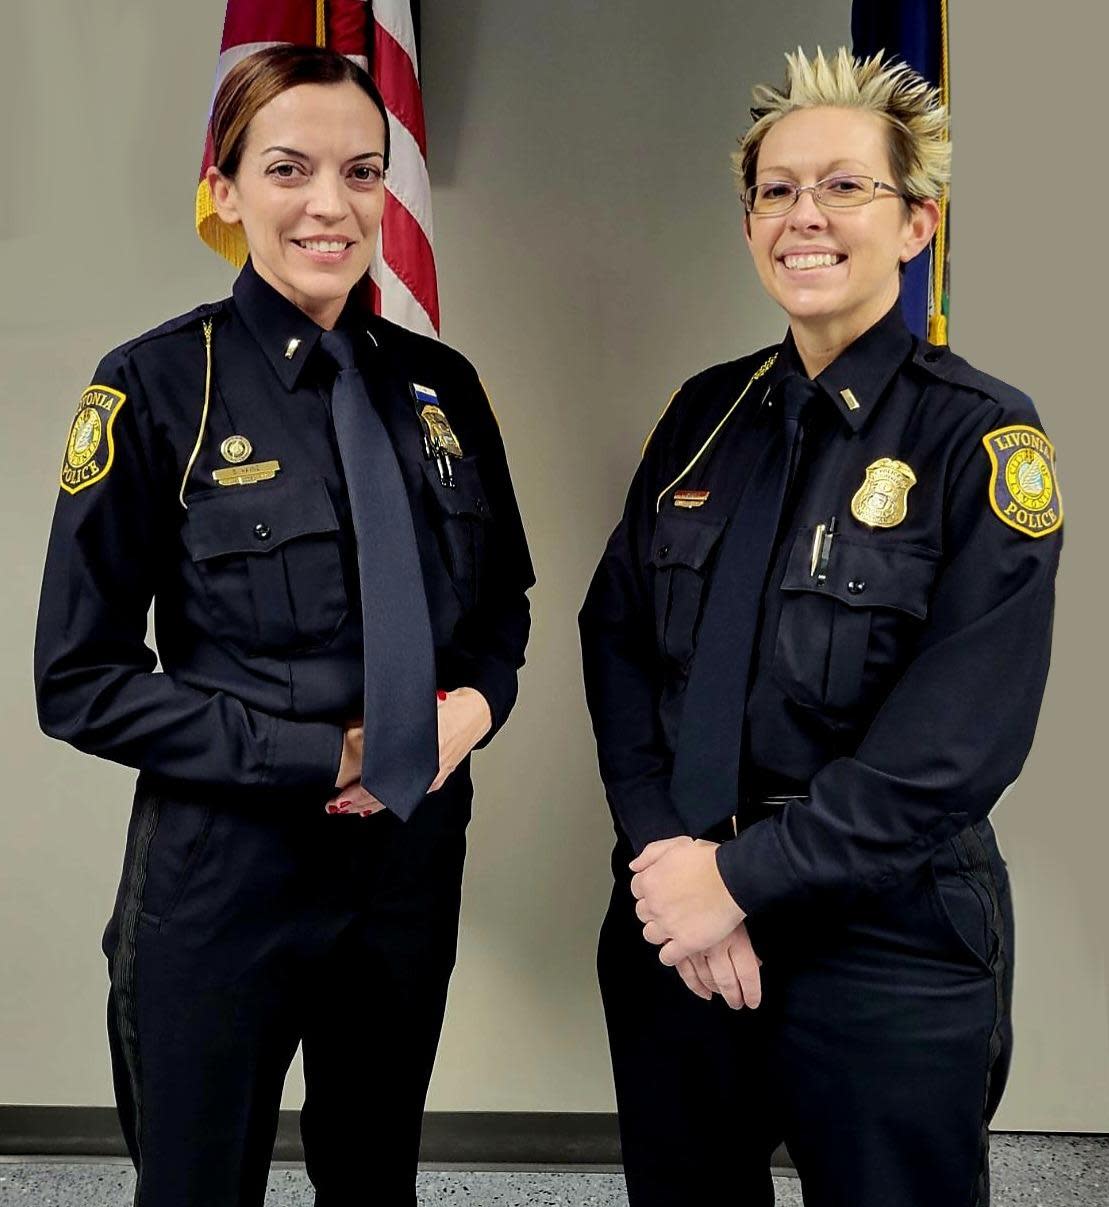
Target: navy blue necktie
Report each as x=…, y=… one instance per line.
x=401, y=744
x=704, y=786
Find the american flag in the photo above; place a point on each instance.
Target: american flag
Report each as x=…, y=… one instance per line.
x=380, y=35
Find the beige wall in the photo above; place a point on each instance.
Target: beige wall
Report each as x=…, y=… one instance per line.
x=590, y=258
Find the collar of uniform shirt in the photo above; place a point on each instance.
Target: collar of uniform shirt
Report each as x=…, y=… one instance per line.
x=864, y=369
x=275, y=323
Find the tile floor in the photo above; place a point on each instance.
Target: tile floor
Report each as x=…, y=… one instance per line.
x=1028, y=1171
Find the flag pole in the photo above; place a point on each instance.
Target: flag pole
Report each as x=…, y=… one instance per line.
x=937, y=320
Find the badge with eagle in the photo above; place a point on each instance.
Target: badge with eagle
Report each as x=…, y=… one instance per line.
x=89, y=450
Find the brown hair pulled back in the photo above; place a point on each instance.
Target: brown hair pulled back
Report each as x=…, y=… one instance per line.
x=252, y=83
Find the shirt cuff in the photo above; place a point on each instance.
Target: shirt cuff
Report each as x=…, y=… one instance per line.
x=304, y=754
x=648, y=816
x=498, y=684
x=756, y=871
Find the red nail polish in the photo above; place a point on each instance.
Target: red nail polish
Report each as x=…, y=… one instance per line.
x=440, y=694
x=344, y=804
x=332, y=808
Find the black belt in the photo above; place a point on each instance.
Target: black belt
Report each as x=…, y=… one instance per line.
x=756, y=809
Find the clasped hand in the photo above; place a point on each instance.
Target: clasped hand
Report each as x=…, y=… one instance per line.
x=464, y=719
x=689, y=913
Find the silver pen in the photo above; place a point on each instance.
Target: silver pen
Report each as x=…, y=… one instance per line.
x=825, y=549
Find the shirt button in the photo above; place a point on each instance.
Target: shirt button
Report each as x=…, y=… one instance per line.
x=664, y=551
x=857, y=586
x=262, y=531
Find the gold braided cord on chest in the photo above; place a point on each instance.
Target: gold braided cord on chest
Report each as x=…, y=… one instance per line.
x=761, y=371
x=206, y=326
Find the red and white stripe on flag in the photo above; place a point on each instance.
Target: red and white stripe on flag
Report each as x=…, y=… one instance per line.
x=380, y=36
x=403, y=270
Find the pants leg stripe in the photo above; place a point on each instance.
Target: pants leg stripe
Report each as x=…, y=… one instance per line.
x=974, y=857
x=123, y=963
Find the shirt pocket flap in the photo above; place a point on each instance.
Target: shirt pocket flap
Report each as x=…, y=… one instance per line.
x=257, y=519
x=467, y=496
x=685, y=540
x=863, y=575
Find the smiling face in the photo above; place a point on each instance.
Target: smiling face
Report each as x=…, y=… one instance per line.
x=834, y=271
x=309, y=192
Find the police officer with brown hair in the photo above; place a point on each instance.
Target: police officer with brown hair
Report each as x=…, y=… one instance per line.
x=815, y=649
x=318, y=505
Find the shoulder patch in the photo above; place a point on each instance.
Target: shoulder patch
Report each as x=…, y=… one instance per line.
x=1024, y=492
x=89, y=451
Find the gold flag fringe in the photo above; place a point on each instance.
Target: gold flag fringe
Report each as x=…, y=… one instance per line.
x=937, y=319
x=230, y=241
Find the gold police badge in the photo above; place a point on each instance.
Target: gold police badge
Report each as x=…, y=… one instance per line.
x=880, y=501
x=439, y=431
x=89, y=451
x=1023, y=490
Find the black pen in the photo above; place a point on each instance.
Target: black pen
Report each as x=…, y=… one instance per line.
x=446, y=474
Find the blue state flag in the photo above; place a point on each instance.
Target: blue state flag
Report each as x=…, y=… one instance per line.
x=915, y=31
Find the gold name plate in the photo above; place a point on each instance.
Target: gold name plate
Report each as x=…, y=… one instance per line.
x=690, y=498
x=246, y=475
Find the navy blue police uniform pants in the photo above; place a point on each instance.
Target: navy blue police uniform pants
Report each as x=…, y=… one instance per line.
x=243, y=928
x=878, y=1055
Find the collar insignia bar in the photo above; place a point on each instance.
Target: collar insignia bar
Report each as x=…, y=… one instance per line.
x=853, y=403
x=690, y=498
x=880, y=501
x=291, y=348
x=246, y=475
x=1023, y=491
x=236, y=449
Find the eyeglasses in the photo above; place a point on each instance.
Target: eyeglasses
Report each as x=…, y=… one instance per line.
x=837, y=192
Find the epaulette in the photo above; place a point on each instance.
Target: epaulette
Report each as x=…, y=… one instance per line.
x=1023, y=491
x=740, y=369
x=386, y=334
x=744, y=370
x=941, y=362
x=408, y=347
x=193, y=318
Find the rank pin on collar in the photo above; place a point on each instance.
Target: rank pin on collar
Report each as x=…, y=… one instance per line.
x=291, y=348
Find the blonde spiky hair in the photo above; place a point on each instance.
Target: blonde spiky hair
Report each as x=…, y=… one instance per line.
x=919, y=147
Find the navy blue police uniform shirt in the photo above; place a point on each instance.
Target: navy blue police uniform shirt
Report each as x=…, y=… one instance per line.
x=899, y=665
x=255, y=587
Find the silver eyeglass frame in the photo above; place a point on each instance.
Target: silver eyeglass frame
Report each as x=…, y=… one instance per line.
x=748, y=196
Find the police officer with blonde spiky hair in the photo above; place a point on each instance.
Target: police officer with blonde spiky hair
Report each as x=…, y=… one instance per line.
x=815, y=649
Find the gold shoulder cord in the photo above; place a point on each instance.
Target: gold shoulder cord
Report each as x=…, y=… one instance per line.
x=207, y=326
x=759, y=372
